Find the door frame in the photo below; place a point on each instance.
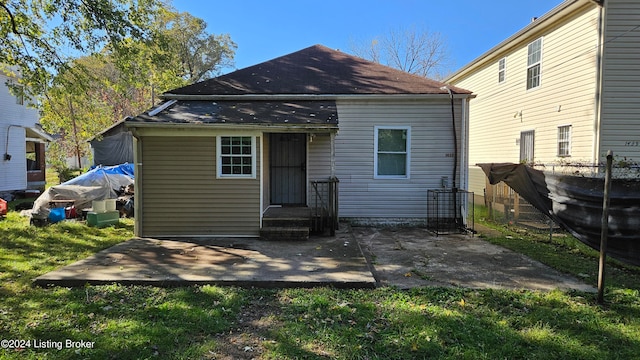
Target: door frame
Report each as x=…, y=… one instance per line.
x=524, y=148
x=303, y=186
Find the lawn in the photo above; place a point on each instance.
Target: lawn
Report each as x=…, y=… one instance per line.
x=208, y=322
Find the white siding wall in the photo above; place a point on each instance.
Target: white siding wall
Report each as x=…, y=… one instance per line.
x=362, y=196
x=621, y=80
x=13, y=173
x=566, y=96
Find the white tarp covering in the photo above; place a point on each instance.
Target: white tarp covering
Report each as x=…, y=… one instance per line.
x=99, y=183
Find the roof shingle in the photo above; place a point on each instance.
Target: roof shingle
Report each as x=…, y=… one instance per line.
x=316, y=70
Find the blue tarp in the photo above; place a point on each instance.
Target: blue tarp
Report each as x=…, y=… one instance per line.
x=98, y=173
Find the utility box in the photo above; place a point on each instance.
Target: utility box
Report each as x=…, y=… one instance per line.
x=103, y=219
x=450, y=211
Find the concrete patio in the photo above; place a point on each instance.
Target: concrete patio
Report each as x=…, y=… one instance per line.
x=358, y=257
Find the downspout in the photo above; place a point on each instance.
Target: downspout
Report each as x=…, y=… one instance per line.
x=455, y=137
x=598, y=93
x=7, y=156
x=454, y=187
x=137, y=168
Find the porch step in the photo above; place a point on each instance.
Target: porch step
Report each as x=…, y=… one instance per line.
x=285, y=222
x=285, y=233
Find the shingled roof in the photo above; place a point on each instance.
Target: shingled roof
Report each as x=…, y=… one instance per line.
x=306, y=114
x=316, y=70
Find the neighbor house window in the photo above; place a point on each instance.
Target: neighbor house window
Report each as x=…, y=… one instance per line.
x=534, y=58
x=392, y=148
x=564, y=140
x=502, y=69
x=19, y=95
x=236, y=156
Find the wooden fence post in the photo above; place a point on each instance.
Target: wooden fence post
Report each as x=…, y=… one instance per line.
x=604, y=232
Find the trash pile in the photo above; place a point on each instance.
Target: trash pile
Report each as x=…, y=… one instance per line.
x=74, y=198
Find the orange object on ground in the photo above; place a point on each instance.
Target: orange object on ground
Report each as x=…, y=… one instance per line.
x=3, y=207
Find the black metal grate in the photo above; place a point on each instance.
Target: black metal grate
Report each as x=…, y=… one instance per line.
x=450, y=211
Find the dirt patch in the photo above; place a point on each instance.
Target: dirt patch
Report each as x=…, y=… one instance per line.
x=247, y=338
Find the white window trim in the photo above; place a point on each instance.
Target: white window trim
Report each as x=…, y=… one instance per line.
x=534, y=64
x=503, y=70
x=219, y=174
x=375, y=153
x=569, y=141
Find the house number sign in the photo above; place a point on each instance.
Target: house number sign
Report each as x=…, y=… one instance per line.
x=632, y=143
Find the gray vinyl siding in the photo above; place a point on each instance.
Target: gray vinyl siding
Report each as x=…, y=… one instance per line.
x=318, y=164
x=620, y=114
x=319, y=157
x=362, y=196
x=182, y=197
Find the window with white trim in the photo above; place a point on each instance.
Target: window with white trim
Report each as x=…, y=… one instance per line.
x=534, y=60
x=502, y=69
x=392, y=146
x=236, y=156
x=564, y=140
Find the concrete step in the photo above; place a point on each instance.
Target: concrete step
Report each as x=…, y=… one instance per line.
x=284, y=222
x=285, y=233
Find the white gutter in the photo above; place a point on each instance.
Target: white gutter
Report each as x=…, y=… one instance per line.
x=309, y=97
x=261, y=127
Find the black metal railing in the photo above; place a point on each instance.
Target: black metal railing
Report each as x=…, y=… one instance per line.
x=450, y=211
x=324, y=205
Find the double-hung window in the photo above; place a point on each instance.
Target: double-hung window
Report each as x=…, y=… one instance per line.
x=502, y=70
x=564, y=140
x=392, y=152
x=236, y=156
x=534, y=60
x=19, y=95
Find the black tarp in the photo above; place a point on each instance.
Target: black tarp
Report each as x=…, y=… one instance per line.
x=113, y=149
x=575, y=203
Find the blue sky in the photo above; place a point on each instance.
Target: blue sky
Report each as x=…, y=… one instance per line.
x=265, y=29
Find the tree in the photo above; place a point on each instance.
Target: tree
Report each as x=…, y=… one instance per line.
x=415, y=51
x=38, y=38
x=94, y=91
x=199, y=55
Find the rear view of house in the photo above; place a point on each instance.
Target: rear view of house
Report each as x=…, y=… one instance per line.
x=315, y=129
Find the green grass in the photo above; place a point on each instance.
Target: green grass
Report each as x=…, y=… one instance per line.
x=208, y=322
x=563, y=252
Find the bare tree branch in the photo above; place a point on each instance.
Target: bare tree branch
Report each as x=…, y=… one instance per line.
x=415, y=51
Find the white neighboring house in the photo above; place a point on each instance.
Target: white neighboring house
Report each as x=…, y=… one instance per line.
x=22, y=161
x=566, y=88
